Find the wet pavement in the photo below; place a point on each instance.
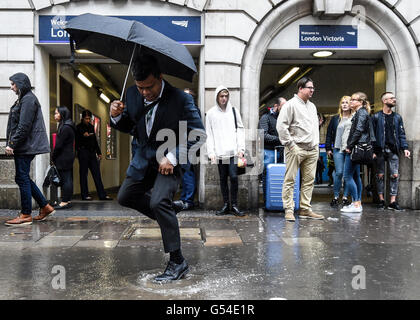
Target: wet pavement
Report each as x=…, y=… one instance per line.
x=99, y=250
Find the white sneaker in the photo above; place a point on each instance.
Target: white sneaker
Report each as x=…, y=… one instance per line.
x=352, y=208
x=358, y=209
x=346, y=208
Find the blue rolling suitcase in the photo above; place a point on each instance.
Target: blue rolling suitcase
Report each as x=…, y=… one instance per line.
x=274, y=181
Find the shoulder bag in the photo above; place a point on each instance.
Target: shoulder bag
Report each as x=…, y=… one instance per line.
x=246, y=160
x=362, y=153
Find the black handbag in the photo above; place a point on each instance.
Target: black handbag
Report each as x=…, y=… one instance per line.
x=247, y=156
x=52, y=177
x=362, y=153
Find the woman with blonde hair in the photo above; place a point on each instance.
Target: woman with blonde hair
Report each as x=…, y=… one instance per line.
x=336, y=143
x=359, y=133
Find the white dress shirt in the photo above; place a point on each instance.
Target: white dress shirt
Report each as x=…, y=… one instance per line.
x=149, y=124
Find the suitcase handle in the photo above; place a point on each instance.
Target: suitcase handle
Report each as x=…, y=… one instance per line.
x=275, y=153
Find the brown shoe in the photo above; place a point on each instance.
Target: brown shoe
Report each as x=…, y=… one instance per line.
x=44, y=213
x=21, y=220
x=308, y=214
x=289, y=216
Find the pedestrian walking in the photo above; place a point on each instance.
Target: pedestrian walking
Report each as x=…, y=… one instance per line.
x=26, y=137
x=154, y=173
x=390, y=141
x=298, y=128
x=63, y=154
x=89, y=154
x=186, y=201
x=268, y=123
x=360, y=132
x=335, y=143
x=225, y=142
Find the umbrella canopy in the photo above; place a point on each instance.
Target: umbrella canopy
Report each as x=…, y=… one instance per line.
x=116, y=38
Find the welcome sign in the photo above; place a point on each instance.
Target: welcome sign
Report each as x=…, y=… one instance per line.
x=327, y=36
x=183, y=29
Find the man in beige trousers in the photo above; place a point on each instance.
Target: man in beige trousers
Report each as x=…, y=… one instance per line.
x=298, y=130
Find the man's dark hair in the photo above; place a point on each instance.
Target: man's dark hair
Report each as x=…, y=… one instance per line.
x=383, y=94
x=302, y=82
x=86, y=113
x=145, y=66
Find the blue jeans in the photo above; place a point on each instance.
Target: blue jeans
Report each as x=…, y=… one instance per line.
x=27, y=187
x=269, y=158
x=339, y=158
x=352, y=178
x=188, y=186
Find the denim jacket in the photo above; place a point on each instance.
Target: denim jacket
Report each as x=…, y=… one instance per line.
x=378, y=121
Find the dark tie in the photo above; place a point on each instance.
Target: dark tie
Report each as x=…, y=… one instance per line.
x=151, y=107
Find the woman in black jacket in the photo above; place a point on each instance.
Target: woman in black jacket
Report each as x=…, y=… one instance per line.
x=359, y=133
x=63, y=154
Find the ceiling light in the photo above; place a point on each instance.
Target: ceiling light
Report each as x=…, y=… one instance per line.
x=83, y=51
x=85, y=80
x=322, y=54
x=288, y=75
x=104, y=97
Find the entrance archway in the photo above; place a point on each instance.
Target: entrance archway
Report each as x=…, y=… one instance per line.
x=404, y=60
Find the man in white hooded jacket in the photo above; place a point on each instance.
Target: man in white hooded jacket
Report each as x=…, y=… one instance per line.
x=225, y=141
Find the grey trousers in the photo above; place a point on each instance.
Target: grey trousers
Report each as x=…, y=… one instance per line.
x=393, y=161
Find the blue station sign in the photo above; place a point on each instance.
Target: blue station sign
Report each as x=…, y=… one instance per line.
x=183, y=29
x=327, y=36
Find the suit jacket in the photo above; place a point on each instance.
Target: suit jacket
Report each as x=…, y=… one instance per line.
x=174, y=106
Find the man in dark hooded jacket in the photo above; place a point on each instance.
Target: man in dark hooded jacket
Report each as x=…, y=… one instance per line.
x=26, y=137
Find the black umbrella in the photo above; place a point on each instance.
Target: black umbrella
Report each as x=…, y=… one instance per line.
x=119, y=39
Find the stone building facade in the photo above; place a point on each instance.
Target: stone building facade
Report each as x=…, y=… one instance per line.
x=235, y=38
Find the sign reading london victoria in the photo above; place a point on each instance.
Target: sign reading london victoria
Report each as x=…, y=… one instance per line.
x=183, y=29
x=327, y=36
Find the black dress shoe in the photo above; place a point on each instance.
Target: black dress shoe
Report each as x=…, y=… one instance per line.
x=173, y=271
x=224, y=211
x=106, y=198
x=178, y=205
x=237, y=212
x=66, y=206
x=87, y=198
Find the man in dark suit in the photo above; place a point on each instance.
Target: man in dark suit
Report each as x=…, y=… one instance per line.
x=156, y=109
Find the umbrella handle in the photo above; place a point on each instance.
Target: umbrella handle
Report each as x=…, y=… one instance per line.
x=71, y=50
x=128, y=70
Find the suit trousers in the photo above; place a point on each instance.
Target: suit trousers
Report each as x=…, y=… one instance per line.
x=156, y=204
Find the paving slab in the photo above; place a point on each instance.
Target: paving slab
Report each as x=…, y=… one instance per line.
x=59, y=241
x=109, y=244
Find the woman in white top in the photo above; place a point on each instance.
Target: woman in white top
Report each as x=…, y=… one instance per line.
x=340, y=142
